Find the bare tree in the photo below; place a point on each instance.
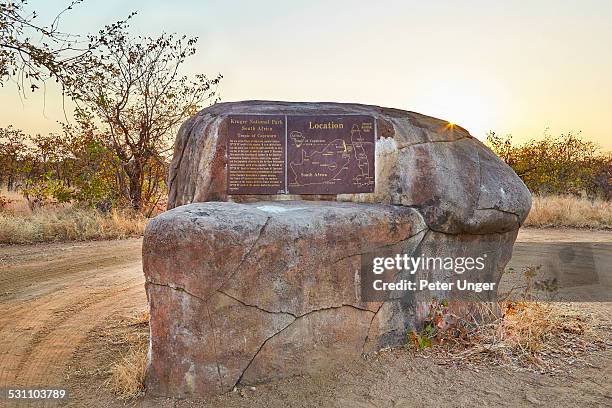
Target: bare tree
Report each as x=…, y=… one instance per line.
x=29, y=61
x=134, y=90
x=31, y=53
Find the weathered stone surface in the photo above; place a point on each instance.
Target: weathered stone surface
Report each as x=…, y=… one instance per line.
x=303, y=248
x=496, y=249
x=223, y=278
x=200, y=247
x=460, y=187
x=202, y=347
x=458, y=183
x=314, y=342
x=251, y=292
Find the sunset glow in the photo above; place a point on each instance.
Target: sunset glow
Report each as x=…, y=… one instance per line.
x=511, y=67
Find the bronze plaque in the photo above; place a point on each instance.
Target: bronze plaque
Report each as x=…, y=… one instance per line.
x=330, y=154
x=300, y=154
x=256, y=154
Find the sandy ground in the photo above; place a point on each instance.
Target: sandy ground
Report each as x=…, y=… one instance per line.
x=65, y=317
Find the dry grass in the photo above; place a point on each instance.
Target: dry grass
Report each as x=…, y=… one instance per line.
x=531, y=327
x=62, y=222
x=139, y=319
x=541, y=337
x=569, y=211
x=68, y=224
x=128, y=374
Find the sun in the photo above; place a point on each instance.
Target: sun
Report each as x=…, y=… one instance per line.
x=460, y=103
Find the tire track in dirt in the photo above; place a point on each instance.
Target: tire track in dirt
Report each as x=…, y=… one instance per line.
x=49, y=358
x=54, y=302
x=72, y=326
x=25, y=327
x=29, y=270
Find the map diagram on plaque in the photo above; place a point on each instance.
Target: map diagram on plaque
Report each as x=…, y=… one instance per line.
x=330, y=154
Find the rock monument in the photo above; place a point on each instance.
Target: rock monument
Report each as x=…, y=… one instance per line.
x=254, y=273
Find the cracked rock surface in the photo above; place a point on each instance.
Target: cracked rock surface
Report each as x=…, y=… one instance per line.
x=238, y=290
x=244, y=293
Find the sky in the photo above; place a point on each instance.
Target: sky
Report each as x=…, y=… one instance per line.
x=518, y=67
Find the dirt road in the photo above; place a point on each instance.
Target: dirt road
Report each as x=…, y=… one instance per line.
x=56, y=298
x=52, y=296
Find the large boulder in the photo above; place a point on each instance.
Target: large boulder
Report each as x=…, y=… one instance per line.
x=455, y=181
x=248, y=288
x=245, y=293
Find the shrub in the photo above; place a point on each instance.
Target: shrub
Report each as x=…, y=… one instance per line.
x=557, y=165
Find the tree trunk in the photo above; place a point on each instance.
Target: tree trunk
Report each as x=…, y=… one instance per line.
x=134, y=174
